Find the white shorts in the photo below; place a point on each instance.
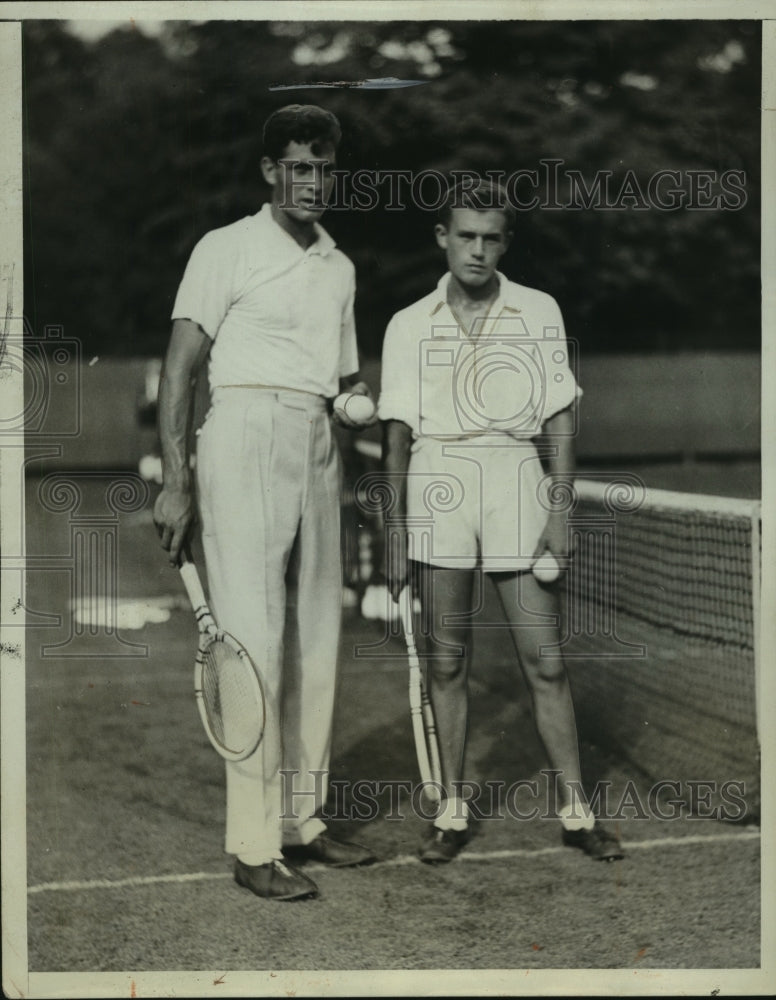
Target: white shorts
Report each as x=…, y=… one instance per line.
x=480, y=501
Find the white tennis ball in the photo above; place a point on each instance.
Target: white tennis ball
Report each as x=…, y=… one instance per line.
x=546, y=568
x=354, y=408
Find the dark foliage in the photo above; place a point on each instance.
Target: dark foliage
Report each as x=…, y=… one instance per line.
x=135, y=146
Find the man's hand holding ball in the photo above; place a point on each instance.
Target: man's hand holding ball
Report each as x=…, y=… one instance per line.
x=355, y=408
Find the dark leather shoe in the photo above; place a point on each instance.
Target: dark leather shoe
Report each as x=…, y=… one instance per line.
x=274, y=880
x=598, y=843
x=440, y=846
x=326, y=850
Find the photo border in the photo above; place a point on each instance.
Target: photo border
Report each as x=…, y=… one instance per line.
x=17, y=980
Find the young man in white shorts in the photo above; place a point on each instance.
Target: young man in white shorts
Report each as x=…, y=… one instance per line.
x=269, y=300
x=472, y=375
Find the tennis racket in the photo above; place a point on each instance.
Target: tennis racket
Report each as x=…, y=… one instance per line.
x=422, y=714
x=226, y=684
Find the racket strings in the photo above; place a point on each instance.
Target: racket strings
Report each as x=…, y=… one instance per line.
x=232, y=697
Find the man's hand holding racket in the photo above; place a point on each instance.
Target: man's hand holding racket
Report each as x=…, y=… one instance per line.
x=174, y=517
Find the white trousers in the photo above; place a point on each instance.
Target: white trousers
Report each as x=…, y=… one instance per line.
x=268, y=475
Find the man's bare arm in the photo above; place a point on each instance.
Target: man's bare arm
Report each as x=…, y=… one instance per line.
x=174, y=509
x=558, y=432
x=397, y=442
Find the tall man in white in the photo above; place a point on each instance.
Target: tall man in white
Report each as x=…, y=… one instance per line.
x=269, y=299
x=472, y=374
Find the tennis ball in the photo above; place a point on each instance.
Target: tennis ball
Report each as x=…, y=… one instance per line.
x=354, y=408
x=546, y=568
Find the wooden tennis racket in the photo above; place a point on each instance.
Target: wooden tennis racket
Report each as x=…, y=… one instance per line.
x=228, y=691
x=421, y=711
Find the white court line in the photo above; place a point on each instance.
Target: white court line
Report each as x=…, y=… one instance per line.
x=122, y=883
x=401, y=861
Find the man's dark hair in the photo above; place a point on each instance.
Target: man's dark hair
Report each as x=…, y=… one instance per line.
x=303, y=123
x=484, y=196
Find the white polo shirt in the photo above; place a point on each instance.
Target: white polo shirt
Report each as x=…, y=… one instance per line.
x=509, y=378
x=278, y=315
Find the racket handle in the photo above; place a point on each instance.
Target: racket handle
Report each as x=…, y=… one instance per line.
x=435, y=759
x=423, y=726
x=405, y=608
x=424, y=764
x=193, y=585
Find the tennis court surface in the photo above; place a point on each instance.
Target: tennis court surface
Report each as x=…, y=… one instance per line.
x=125, y=799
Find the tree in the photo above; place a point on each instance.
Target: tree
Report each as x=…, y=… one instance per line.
x=135, y=146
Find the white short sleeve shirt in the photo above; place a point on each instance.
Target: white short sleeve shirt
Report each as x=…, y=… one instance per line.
x=515, y=374
x=278, y=315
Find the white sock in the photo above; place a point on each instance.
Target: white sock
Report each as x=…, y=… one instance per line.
x=576, y=816
x=454, y=814
x=255, y=858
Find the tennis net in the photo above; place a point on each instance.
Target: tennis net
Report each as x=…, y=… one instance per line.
x=660, y=627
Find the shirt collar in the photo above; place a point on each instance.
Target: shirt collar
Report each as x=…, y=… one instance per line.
x=508, y=295
x=323, y=242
